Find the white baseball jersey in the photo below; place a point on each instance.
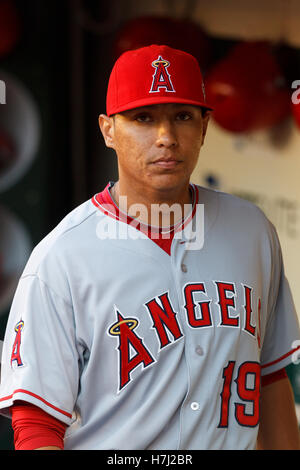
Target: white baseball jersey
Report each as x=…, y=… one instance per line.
x=137, y=344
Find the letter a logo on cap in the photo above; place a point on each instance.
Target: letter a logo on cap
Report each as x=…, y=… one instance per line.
x=161, y=77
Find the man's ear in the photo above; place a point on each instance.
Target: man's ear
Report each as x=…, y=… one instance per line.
x=106, y=125
x=205, y=120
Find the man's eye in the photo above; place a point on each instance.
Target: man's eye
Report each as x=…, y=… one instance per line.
x=143, y=118
x=183, y=116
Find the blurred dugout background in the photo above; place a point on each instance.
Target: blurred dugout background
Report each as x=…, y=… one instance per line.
x=55, y=59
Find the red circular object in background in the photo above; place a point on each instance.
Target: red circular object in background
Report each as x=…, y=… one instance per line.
x=247, y=89
x=7, y=152
x=10, y=26
x=179, y=34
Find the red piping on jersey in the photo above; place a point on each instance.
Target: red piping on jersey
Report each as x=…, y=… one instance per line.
x=20, y=390
x=105, y=203
x=280, y=358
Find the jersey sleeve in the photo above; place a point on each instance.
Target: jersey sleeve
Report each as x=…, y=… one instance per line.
x=281, y=342
x=40, y=358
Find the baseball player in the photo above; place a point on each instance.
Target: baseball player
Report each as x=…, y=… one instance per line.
x=156, y=315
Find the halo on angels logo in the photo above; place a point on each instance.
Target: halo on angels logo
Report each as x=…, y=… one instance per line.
x=115, y=328
x=19, y=326
x=159, y=61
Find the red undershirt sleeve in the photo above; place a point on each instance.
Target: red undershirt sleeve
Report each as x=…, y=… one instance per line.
x=34, y=428
x=273, y=377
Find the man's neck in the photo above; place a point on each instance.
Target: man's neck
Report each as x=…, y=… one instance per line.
x=159, y=209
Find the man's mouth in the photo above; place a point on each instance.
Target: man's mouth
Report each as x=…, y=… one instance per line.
x=166, y=162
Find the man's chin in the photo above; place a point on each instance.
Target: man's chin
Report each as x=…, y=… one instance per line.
x=169, y=183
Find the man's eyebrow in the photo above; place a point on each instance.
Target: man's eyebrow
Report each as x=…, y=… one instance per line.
x=157, y=106
x=141, y=110
x=153, y=108
x=136, y=110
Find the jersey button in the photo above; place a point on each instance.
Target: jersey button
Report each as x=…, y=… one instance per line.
x=183, y=268
x=195, y=406
x=199, y=351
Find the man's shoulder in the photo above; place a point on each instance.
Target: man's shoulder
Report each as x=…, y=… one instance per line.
x=229, y=203
x=66, y=234
x=241, y=216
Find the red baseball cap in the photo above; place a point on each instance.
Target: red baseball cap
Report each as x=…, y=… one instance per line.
x=152, y=75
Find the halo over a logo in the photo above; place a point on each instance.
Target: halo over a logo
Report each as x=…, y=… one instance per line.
x=161, y=77
x=116, y=330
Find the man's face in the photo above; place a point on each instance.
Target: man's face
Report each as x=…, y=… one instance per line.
x=157, y=146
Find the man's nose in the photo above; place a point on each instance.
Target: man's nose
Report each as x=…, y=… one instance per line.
x=166, y=135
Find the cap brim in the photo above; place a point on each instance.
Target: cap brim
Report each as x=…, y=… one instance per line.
x=156, y=100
